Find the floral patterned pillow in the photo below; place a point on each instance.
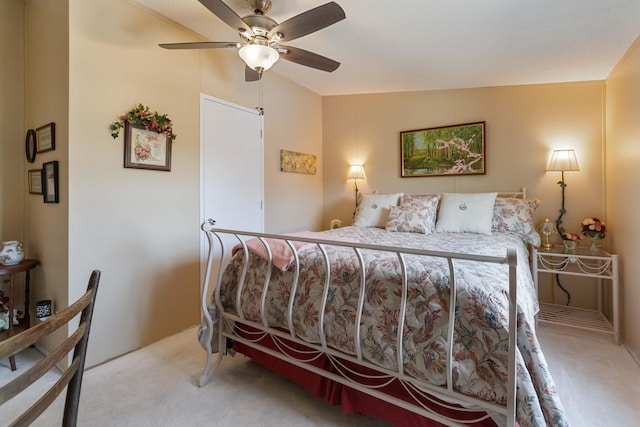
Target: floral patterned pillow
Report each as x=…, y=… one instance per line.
x=516, y=216
x=414, y=215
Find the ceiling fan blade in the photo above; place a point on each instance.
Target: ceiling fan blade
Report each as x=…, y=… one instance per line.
x=251, y=75
x=226, y=14
x=309, y=59
x=198, y=45
x=310, y=21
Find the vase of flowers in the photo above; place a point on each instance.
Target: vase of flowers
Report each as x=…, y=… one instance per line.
x=570, y=241
x=595, y=230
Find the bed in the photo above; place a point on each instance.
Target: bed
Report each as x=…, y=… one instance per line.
x=328, y=310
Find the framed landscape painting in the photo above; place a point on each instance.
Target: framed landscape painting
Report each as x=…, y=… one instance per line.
x=443, y=151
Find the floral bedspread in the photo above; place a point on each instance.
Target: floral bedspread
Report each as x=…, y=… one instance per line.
x=481, y=335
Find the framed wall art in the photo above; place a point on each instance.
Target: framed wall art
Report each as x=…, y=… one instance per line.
x=35, y=181
x=46, y=138
x=50, y=182
x=146, y=149
x=30, y=146
x=290, y=161
x=443, y=151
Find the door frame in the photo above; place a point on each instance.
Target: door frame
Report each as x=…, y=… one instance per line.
x=254, y=111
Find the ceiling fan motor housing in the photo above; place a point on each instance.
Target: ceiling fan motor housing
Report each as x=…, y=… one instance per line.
x=260, y=25
x=260, y=7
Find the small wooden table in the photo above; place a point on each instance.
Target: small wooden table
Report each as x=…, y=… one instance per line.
x=25, y=266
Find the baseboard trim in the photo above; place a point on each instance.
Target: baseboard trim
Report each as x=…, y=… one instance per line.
x=632, y=354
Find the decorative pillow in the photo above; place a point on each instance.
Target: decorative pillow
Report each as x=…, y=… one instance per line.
x=414, y=215
x=409, y=198
x=373, y=209
x=466, y=213
x=516, y=216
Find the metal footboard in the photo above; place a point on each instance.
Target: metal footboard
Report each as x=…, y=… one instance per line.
x=377, y=377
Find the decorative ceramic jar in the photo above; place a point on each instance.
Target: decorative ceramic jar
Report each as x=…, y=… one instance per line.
x=570, y=245
x=11, y=253
x=44, y=309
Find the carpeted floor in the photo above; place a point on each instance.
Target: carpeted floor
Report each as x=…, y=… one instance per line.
x=156, y=386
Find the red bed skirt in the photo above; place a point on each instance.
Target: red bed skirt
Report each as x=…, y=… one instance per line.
x=350, y=400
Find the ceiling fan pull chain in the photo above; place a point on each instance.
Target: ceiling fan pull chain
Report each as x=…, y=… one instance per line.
x=260, y=97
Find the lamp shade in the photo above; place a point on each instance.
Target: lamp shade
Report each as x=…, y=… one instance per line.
x=258, y=57
x=356, y=172
x=563, y=161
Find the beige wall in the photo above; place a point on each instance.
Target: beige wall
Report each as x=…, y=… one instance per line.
x=141, y=228
x=46, y=94
x=623, y=177
x=523, y=125
x=13, y=165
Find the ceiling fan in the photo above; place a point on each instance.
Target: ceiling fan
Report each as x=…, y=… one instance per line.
x=260, y=36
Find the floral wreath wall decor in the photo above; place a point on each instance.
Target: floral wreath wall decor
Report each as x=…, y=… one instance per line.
x=147, y=138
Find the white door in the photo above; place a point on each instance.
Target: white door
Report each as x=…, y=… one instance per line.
x=231, y=168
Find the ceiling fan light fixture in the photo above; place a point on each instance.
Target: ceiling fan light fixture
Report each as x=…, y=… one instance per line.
x=260, y=35
x=258, y=57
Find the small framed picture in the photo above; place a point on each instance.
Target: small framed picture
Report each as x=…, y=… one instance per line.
x=146, y=149
x=30, y=146
x=46, y=138
x=35, y=181
x=290, y=161
x=50, y=182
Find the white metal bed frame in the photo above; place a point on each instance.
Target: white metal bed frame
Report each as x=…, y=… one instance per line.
x=227, y=323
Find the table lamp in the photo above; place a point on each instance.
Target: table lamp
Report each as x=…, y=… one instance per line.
x=562, y=161
x=356, y=172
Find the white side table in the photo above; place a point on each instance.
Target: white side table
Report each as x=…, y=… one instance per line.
x=582, y=262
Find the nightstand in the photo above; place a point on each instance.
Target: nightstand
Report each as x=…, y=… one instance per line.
x=582, y=262
x=24, y=266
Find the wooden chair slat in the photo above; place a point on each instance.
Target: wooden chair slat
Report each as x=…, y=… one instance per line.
x=30, y=415
x=20, y=383
x=71, y=377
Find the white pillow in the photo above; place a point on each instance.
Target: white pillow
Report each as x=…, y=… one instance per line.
x=373, y=209
x=466, y=213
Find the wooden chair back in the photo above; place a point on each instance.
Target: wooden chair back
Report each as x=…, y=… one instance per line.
x=72, y=376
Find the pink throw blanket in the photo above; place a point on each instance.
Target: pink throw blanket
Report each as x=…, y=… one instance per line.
x=282, y=256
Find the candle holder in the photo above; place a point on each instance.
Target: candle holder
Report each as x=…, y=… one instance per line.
x=547, y=228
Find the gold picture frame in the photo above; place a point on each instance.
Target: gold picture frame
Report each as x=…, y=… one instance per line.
x=35, y=181
x=291, y=161
x=443, y=151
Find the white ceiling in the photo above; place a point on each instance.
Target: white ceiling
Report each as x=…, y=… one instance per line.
x=406, y=45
